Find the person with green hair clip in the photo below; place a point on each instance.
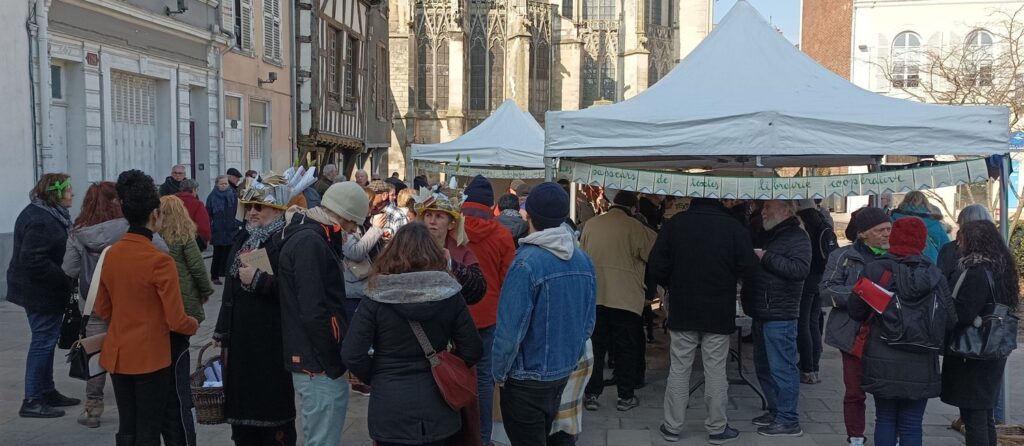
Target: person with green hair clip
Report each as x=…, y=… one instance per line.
x=37, y=283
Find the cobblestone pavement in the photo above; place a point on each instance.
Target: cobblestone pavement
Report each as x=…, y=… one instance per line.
x=820, y=405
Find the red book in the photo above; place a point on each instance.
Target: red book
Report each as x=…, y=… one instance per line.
x=874, y=294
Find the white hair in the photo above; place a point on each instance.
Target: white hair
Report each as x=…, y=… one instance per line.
x=330, y=170
x=974, y=212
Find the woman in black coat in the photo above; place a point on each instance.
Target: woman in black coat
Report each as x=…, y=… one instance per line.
x=36, y=282
x=410, y=283
x=988, y=274
x=902, y=381
x=259, y=398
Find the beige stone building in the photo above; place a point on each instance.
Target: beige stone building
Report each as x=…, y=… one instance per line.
x=258, y=118
x=454, y=61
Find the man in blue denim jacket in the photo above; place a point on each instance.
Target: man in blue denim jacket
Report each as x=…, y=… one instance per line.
x=545, y=315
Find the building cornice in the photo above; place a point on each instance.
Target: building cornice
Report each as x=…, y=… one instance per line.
x=147, y=19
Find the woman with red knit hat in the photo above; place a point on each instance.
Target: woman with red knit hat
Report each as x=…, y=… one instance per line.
x=900, y=379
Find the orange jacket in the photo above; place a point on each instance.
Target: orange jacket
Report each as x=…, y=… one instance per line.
x=494, y=248
x=140, y=295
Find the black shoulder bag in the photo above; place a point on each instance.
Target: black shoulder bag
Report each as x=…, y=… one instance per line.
x=991, y=336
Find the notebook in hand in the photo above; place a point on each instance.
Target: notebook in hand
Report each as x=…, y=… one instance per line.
x=874, y=294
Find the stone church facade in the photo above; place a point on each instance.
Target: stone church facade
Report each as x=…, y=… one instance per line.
x=454, y=61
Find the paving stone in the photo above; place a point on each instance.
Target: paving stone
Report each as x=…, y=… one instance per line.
x=628, y=437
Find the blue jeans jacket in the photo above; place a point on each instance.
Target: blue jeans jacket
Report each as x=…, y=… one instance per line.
x=545, y=315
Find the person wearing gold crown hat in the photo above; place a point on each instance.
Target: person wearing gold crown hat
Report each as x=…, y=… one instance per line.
x=443, y=217
x=259, y=399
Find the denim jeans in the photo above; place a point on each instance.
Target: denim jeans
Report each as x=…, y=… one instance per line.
x=898, y=420
x=775, y=361
x=809, y=331
x=485, y=385
x=528, y=408
x=324, y=403
x=39, y=365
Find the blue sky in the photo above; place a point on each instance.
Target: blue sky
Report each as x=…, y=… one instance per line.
x=785, y=14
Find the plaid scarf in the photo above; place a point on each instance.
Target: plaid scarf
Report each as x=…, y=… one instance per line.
x=257, y=236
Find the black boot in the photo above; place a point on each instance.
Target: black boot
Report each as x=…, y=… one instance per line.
x=125, y=439
x=38, y=409
x=55, y=399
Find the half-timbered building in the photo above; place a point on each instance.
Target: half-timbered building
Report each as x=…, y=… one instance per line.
x=341, y=66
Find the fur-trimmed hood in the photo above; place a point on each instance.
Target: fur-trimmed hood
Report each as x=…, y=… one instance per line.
x=417, y=295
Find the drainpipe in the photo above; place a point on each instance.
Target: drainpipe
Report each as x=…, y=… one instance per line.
x=43, y=56
x=32, y=29
x=293, y=101
x=221, y=156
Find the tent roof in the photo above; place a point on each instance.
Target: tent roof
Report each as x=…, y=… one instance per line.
x=746, y=90
x=509, y=137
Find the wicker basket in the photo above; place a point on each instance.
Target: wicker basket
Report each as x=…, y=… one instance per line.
x=209, y=401
x=1010, y=435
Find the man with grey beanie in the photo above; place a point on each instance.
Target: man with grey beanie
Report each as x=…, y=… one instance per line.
x=312, y=307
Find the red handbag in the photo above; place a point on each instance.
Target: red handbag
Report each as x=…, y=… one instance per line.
x=454, y=379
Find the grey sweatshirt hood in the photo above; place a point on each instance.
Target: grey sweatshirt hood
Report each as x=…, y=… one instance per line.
x=96, y=237
x=558, y=241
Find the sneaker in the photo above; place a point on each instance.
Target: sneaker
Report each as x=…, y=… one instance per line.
x=217, y=282
x=627, y=404
x=53, y=398
x=361, y=389
x=807, y=378
x=590, y=403
x=668, y=435
x=729, y=434
x=817, y=379
x=38, y=409
x=781, y=430
x=856, y=441
x=764, y=420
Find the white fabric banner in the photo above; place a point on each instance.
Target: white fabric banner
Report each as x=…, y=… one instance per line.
x=789, y=188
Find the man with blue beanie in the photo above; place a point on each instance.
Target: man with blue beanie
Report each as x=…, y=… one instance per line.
x=546, y=314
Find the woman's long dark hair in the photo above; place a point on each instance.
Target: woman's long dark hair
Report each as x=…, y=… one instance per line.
x=413, y=249
x=99, y=205
x=980, y=242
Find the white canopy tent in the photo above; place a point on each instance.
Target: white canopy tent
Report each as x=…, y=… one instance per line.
x=509, y=138
x=746, y=96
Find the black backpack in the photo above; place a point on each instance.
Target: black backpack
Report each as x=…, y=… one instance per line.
x=918, y=326
x=823, y=239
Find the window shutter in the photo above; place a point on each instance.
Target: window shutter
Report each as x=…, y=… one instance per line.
x=272, y=29
x=246, y=25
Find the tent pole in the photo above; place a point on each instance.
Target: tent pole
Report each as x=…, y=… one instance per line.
x=549, y=168
x=1004, y=226
x=572, y=202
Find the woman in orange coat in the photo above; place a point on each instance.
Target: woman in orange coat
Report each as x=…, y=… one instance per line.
x=140, y=295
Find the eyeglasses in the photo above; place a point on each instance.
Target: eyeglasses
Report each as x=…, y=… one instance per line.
x=256, y=207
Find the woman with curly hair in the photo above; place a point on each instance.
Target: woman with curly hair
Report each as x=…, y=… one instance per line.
x=99, y=225
x=36, y=282
x=139, y=293
x=988, y=274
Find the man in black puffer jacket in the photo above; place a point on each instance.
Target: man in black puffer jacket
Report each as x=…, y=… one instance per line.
x=773, y=301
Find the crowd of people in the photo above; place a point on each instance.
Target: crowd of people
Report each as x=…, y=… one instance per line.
x=333, y=287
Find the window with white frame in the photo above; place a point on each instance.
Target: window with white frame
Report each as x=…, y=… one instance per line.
x=259, y=133
x=978, y=58
x=232, y=110
x=243, y=24
x=906, y=52
x=599, y=10
x=272, y=29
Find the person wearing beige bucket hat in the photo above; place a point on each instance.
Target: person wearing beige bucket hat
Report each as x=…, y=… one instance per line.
x=443, y=217
x=312, y=307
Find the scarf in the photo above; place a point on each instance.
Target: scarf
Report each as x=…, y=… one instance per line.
x=60, y=213
x=219, y=200
x=317, y=214
x=257, y=236
x=511, y=213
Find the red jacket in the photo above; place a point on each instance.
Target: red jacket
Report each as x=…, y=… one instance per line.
x=494, y=248
x=197, y=212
